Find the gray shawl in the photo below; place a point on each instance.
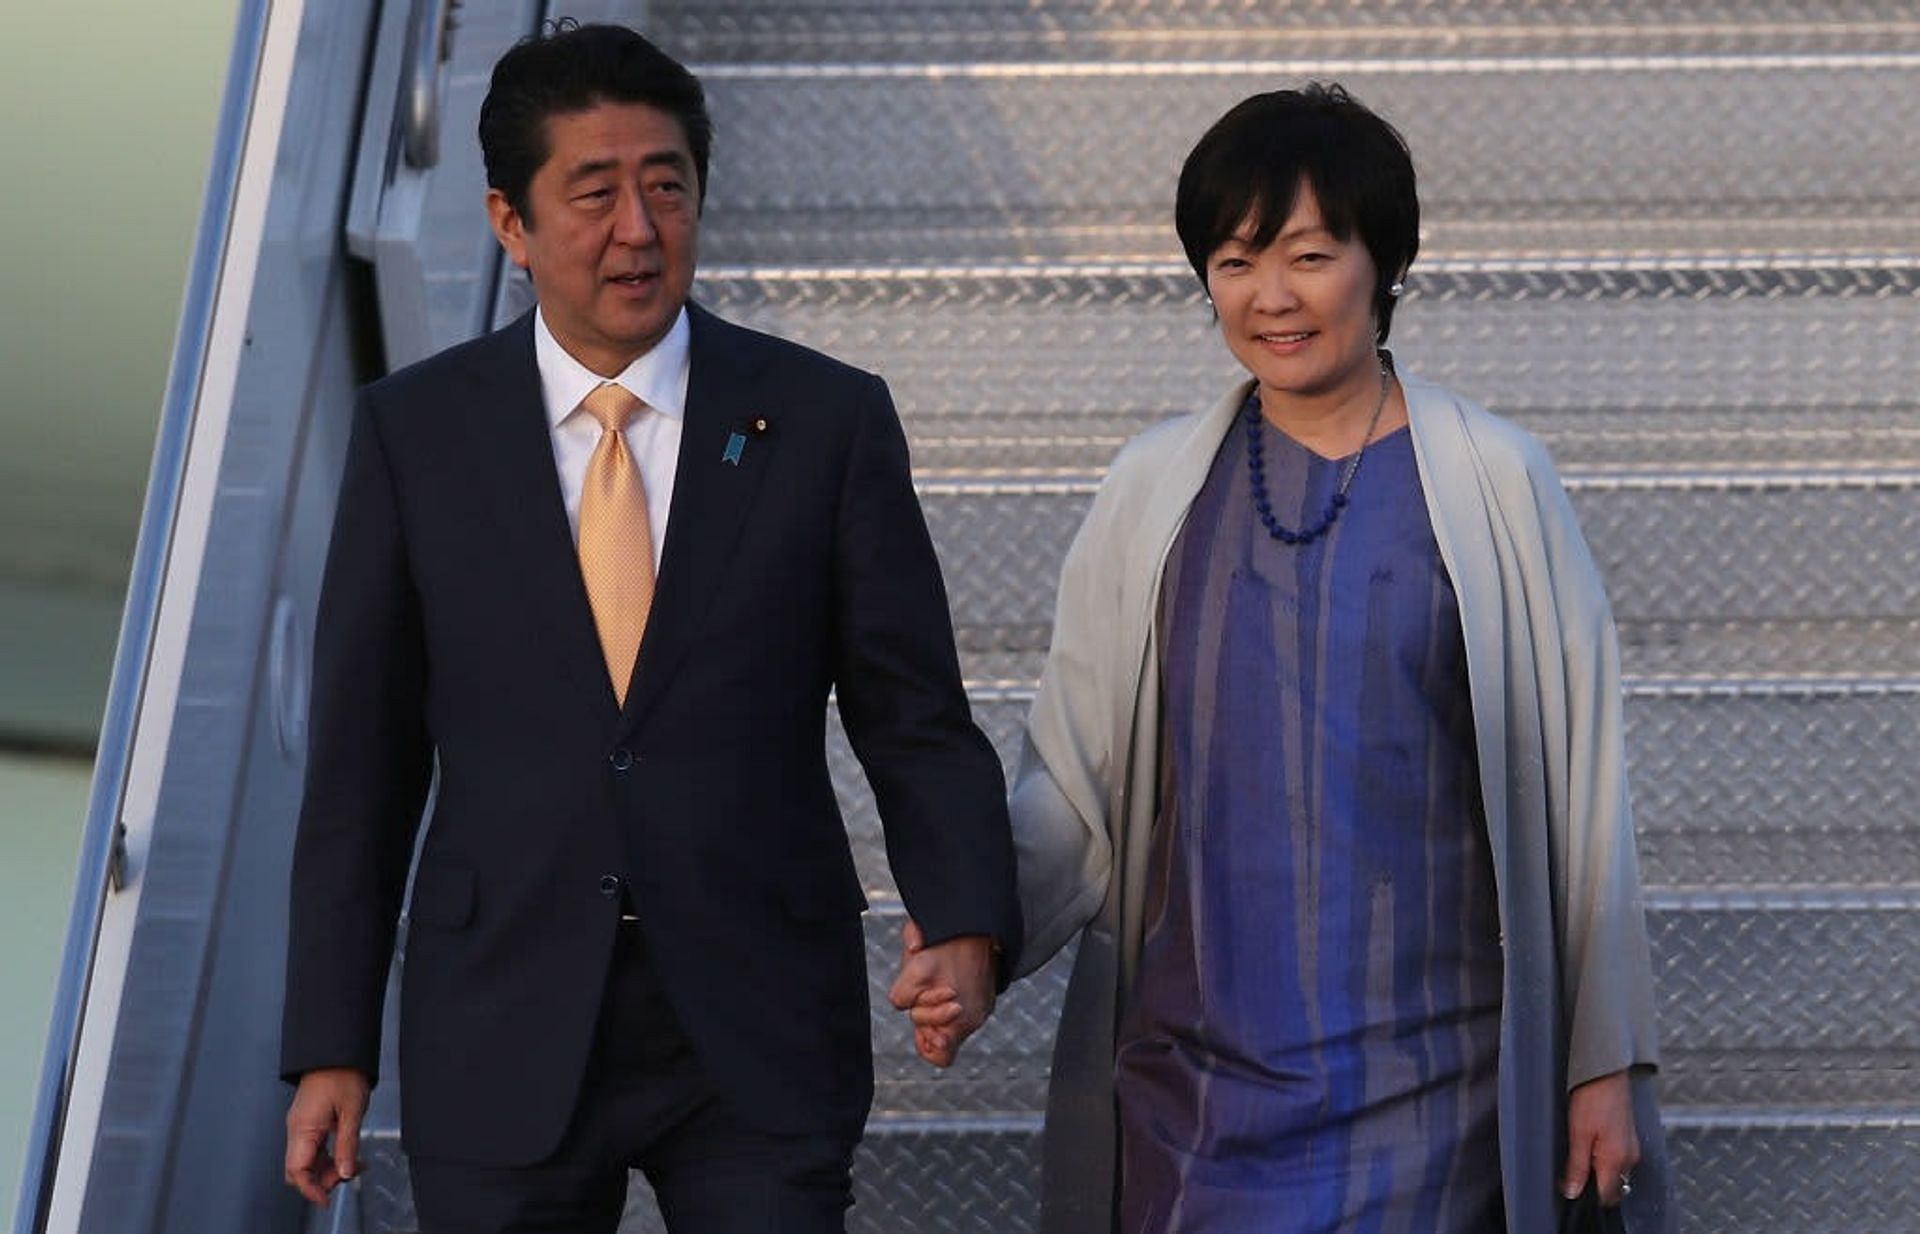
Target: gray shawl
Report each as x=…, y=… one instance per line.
x=1543, y=667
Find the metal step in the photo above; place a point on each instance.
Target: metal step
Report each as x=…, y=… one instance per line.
x=1838, y=1171
x=1063, y=445
x=1824, y=1172
x=1779, y=658
x=1047, y=370
x=1775, y=1008
x=950, y=1176
x=1843, y=1173
x=1791, y=654
x=885, y=236
x=1784, y=1016
x=1099, y=144
x=1674, y=548
x=1782, y=1000
x=1788, y=998
x=1744, y=785
x=1751, y=786
x=827, y=31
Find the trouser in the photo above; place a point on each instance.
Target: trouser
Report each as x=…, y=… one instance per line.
x=646, y=1104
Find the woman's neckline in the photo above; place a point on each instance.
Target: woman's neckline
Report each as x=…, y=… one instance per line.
x=1374, y=443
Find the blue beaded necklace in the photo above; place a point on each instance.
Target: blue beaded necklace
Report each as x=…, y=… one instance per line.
x=1257, y=466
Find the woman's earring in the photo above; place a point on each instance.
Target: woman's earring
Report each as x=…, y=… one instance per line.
x=1396, y=287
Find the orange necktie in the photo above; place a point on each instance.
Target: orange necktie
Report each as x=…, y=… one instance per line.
x=616, y=536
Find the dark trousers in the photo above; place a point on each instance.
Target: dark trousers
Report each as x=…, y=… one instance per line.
x=646, y=1105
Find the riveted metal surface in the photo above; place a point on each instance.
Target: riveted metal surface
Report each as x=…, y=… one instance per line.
x=1672, y=549
x=1849, y=1173
x=1734, y=784
x=1493, y=140
x=1076, y=31
x=1050, y=371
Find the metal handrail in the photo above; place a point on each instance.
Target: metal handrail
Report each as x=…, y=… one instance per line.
x=420, y=97
x=99, y=847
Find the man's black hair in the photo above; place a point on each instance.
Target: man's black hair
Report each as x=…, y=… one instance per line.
x=570, y=68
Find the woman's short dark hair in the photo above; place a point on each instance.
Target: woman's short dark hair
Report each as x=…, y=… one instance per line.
x=570, y=68
x=1251, y=163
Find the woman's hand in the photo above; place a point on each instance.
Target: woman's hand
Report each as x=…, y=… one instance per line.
x=945, y=989
x=1601, y=1138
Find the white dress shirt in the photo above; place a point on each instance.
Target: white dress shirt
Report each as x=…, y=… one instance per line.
x=658, y=379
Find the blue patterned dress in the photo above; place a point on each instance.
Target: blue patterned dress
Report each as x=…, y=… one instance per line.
x=1313, y=1041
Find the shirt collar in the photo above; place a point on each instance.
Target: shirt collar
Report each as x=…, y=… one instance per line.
x=658, y=377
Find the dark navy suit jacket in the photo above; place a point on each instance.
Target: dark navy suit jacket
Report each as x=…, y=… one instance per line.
x=454, y=626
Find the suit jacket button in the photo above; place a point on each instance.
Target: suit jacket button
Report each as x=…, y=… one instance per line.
x=609, y=885
x=621, y=759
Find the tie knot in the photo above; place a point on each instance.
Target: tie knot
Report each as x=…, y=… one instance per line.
x=612, y=405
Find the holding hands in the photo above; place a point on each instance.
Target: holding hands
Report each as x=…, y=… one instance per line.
x=946, y=989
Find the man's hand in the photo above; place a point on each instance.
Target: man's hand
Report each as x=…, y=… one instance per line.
x=1601, y=1137
x=331, y=1100
x=945, y=989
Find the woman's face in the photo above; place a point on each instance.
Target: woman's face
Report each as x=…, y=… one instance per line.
x=1298, y=314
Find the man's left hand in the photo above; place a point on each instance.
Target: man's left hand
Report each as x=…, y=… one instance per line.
x=946, y=989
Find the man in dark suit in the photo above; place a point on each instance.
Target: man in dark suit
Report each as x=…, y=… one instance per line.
x=602, y=568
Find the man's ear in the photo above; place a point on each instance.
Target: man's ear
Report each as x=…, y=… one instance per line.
x=508, y=227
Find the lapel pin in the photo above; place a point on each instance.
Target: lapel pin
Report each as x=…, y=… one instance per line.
x=760, y=425
x=736, y=445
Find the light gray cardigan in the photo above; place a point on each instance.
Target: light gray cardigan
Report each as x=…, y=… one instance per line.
x=1543, y=667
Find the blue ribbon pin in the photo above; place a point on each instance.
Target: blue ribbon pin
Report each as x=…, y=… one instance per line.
x=736, y=444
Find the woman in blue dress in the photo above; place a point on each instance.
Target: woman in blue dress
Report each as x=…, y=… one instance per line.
x=1327, y=760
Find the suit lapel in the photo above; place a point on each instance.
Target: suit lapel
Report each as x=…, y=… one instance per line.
x=513, y=459
x=724, y=446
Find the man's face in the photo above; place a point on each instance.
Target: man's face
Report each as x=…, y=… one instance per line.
x=615, y=222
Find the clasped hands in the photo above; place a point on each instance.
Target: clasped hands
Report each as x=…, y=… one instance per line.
x=946, y=989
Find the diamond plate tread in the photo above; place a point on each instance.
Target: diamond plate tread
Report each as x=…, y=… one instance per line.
x=1799, y=981
x=1494, y=145
x=1108, y=232
x=1658, y=658
x=1784, y=1000
x=1054, y=370
x=1707, y=438
x=1840, y=1174
x=827, y=31
x=1691, y=551
x=385, y=1193
x=961, y=1176
x=1788, y=1180
x=1718, y=1079
x=1624, y=240
x=1790, y=1002
x=1752, y=790
x=1711, y=801
x=1042, y=446
x=1835, y=1179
